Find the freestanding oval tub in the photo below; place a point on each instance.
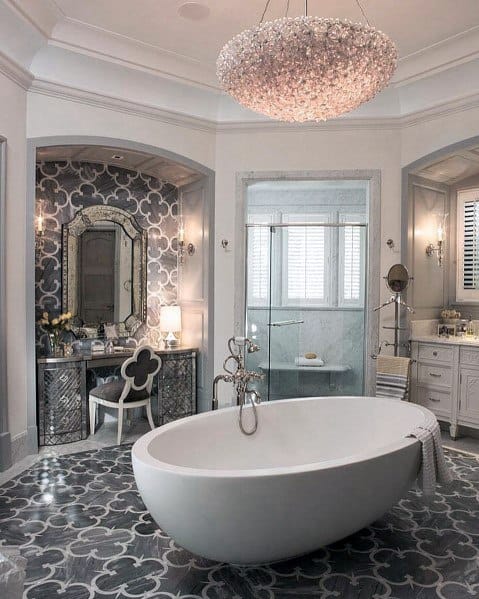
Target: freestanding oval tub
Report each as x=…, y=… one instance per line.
x=316, y=470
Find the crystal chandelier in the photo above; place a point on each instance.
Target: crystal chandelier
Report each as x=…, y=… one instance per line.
x=306, y=68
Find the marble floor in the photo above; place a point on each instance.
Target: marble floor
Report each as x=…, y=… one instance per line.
x=105, y=436
x=79, y=521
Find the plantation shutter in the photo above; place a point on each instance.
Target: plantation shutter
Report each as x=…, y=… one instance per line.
x=470, y=274
x=306, y=251
x=258, y=260
x=352, y=264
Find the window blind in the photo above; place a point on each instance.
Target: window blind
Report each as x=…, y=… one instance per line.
x=352, y=264
x=258, y=260
x=306, y=261
x=471, y=244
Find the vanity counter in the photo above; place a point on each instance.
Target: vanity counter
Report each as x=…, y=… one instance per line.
x=98, y=358
x=445, y=340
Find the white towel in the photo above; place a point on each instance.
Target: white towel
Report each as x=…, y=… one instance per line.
x=433, y=466
x=302, y=361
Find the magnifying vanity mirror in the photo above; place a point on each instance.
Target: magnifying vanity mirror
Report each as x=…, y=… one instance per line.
x=398, y=278
x=104, y=267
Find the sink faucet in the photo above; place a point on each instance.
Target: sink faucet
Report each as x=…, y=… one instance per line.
x=236, y=373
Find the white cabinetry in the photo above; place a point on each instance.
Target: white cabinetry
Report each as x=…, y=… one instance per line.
x=445, y=379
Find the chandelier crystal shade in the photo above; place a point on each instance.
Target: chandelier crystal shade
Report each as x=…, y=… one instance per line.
x=306, y=68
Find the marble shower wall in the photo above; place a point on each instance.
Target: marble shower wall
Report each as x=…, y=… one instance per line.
x=68, y=186
x=337, y=336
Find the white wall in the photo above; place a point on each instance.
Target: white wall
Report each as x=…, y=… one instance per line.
x=51, y=116
x=12, y=126
x=274, y=150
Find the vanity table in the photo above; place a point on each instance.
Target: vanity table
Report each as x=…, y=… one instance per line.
x=445, y=379
x=62, y=391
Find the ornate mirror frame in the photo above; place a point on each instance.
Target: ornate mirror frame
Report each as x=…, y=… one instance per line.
x=71, y=233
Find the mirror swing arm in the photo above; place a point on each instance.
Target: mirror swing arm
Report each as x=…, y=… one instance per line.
x=397, y=284
x=71, y=235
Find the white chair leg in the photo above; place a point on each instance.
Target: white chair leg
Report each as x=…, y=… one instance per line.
x=93, y=405
x=149, y=415
x=120, y=424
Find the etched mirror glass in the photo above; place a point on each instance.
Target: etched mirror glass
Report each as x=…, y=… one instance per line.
x=104, y=267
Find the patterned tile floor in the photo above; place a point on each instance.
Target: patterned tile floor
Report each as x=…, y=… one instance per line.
x=80, y=523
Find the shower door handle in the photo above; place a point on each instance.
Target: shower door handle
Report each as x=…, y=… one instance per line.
x=285, y=323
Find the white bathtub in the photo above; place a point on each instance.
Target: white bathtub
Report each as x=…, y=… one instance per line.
x=317, y=470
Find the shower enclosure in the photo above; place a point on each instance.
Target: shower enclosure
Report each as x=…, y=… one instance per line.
x=305, y=302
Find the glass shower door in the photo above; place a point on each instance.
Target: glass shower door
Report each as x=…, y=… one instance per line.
x=310, y=322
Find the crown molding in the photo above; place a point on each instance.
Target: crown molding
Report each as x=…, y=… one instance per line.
x=177, y=119
x=74, y=94
x=15, y=72
x=446, y=54
x=83, y=38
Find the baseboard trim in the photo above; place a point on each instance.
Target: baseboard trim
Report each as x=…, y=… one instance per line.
x=5, y=451
x=19, y=447
x=32, y=440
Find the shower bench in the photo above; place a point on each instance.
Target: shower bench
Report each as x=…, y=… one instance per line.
x=330, y=369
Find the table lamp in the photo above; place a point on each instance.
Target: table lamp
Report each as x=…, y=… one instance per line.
x=170, y=323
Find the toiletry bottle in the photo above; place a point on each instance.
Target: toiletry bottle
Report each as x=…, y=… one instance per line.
x=470, y=328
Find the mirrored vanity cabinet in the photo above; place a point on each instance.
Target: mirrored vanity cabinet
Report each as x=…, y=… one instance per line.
x=114, y=278
x=64, y=383
x=445, y=379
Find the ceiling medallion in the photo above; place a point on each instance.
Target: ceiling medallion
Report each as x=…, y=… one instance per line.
x=306, y=68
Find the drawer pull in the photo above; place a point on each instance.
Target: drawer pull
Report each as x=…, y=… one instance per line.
x=435, y=374
x=434, y=353
x=434, y=399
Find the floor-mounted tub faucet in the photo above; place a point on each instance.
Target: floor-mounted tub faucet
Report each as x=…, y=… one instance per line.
x=236, y=373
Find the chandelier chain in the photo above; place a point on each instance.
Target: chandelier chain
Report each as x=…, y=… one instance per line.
x=287, y=8
x=265, y=10
x=363, y=12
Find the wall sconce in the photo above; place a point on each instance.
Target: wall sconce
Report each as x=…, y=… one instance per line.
x=170, y=323
x=40, y=227
x=438, y=249
x=184, y=248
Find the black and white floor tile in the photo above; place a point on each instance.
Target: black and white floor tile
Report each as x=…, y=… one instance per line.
x=79, y=521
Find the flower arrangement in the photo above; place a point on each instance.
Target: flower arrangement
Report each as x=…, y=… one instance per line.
x=55, y=327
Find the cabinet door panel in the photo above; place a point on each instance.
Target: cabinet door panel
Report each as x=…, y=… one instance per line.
x=469, y=394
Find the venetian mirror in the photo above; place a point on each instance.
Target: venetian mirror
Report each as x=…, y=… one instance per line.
x=104, y=267
x=398, y=278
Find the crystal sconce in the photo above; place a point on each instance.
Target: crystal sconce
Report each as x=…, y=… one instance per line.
x=40, y=227
x=184, y=249
x=438, y=249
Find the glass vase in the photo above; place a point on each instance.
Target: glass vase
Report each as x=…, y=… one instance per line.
x=55, y=347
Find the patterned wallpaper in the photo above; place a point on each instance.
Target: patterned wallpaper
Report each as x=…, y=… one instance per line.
x=67, y=187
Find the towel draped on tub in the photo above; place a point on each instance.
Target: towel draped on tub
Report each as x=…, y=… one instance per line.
x=433, y=465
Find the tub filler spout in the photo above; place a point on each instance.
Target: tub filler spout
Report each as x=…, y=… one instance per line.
x=236, y=373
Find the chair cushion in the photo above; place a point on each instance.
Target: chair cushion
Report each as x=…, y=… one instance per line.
x=112, y=392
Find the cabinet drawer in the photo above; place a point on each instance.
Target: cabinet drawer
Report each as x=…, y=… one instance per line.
x=437, y=401
x=469, y=356
x=434, y=375
x=435, y=353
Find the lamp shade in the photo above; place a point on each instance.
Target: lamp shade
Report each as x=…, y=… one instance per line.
x=170, y=318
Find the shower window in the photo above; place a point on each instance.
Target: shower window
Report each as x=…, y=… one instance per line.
x=320, y=267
